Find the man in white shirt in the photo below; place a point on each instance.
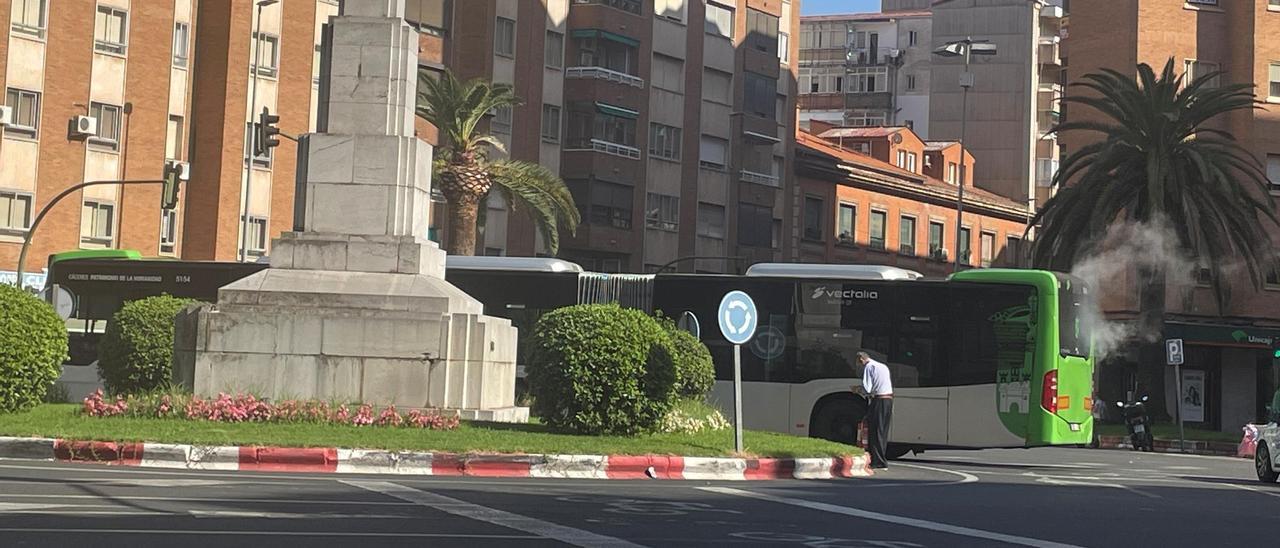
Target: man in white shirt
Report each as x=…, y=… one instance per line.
x=877, y=386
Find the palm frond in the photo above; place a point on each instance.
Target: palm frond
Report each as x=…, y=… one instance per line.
x=539, y=192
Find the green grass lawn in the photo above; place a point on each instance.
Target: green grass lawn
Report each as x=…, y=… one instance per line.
x=65, y=421
x=1170, y=432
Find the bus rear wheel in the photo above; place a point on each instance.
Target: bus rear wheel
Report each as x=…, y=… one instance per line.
x=837, y=420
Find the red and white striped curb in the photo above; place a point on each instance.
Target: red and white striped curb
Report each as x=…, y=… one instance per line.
x=368, y=461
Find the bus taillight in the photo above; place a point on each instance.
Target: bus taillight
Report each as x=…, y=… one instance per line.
x=1049, y=392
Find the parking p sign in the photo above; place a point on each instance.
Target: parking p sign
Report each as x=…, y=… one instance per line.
x=1173, y=351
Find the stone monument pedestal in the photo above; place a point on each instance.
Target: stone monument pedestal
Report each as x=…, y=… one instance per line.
x=355, y=306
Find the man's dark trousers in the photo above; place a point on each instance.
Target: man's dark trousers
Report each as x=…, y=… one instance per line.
x=878, y=417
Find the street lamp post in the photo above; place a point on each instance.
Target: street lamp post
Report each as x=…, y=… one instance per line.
x=964, y=48
x=253, y=135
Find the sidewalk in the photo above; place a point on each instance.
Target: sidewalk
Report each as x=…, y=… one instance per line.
x=1163, y=445
x=362, y=461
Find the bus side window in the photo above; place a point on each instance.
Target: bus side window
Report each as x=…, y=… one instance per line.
x=917, y=337
x=983, y=318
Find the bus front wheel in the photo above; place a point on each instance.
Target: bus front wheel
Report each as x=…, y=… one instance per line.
x=837, y=420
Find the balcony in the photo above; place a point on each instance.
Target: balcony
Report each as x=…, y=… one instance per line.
x=873, y=57
x=1050, y=50
x=1047, y=120
x=748, y=176
x=1052, y=12
x=629, y=6
x=599, y=145
x=601, y=73
x=882, y=100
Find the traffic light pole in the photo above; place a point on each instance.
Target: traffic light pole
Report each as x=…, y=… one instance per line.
x=26, y=240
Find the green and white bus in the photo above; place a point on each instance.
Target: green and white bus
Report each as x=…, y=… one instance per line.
x=986, y=358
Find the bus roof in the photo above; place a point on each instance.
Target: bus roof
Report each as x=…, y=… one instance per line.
x=833, y=271
x=523, y=264
x=81, y=254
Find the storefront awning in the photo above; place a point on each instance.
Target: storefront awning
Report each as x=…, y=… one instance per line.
x=612, y=110
x=594, y=33
x=1223, y=335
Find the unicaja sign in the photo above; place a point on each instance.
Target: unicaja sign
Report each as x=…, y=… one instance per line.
x=866, y=294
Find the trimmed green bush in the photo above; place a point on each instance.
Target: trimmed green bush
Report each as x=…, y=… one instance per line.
x=695, y=372
x=136, y=352
x=601, y=369
x=33, y=345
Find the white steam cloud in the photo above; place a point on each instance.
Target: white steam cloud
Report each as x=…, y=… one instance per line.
x=1109, y=268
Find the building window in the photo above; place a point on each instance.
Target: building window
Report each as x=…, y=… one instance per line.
x=711, y=220
x=987, y=245
x=553, y=49
x=611, y=205
x=1274, y=80
x=1195, y=69
x=713, y=152
x=26, y=112
x=848, y=220
x=966, y=243
x=784, y=48
x=97, y=223
x=173, y=139
x=1273, y=171
x=953, y=172
x=664, y=141
x=493, y=252
x=755, y=225
x=266, y=59
x=181, y=44
x=257, y=235
x=111, y=30
x=501, y=119
x=315, y=67
x=911, y=82
x=762, y=31
x=717, y=86
x=761, y=95
x=670, y=9
x=1273, y=273
x=29, y=17
x=719, y=20
x=261, y=161
x=1013, y=251
x=15, y=210
x=868, y=79
x=878, y=221
x=911, y=162
x=813, y=214
x=108, y=117
x=594, y=51
x=913, y=38
x=662, y=212
x=907, y=235
x=168, y=231
x=551, y=123
x=617, y=126
x=504, y=37
x=936, y=233
x=667, y=73
x=428, y=16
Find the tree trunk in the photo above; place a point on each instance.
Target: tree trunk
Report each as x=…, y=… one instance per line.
x=1151, y=355
x=462, y=224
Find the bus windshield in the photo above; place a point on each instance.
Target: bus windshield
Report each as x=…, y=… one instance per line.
x=1073, y=329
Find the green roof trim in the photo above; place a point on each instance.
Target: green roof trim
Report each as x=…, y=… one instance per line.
x=81, y=254
x=621, y=112
x=593, y=33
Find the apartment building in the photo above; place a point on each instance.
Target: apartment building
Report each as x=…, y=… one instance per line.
x=667, y=119
x=1230, y=353
x=1012, y=105
x=93, y=91
x=866, y=69
x=866, y=201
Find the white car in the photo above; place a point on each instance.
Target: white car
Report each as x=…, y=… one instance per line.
x=1266, y=458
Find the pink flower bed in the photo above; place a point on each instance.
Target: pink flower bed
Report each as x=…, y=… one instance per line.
x=249, y=408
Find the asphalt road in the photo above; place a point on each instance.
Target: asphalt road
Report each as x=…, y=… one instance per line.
x=1040, y=497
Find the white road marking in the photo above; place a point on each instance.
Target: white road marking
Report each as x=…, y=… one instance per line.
x=263, y=533
x=1053, y=481
x=287, y=515
x=965, y=477
x=214, y=499
x=545, y=529
x=1191, y=468
x=1255, y=490
x=890, y=518
x=1018, y=464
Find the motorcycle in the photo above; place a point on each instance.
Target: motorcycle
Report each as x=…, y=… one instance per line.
x=1138, y=423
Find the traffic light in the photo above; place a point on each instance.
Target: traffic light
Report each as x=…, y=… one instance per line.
x=266, y=133
x=174, y=174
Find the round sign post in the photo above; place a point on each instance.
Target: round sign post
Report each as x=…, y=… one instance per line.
x=738, y=319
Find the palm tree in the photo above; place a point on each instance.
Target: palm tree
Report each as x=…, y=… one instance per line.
x=467, y=174
x=1159, y=162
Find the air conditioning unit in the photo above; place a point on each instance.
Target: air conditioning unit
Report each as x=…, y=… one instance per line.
x=6, y=115
x=84, y=125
